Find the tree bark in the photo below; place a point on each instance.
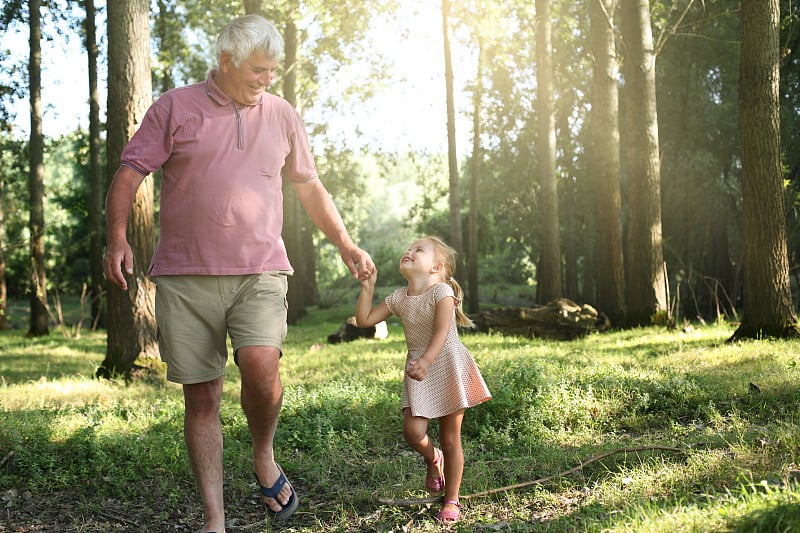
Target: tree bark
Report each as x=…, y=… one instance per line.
x=605, y=163
x=549, y=269
x=131, y=313
x=96, y=180
x=38, y=288
x=645, y=279
x=252, y=7
x=456, y=231
x=293, y=216
x=768, y=309
x=572, y=213
x=475, y=171
x=3, y=287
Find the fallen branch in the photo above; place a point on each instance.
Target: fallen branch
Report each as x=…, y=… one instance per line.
x=526, y=484
x=8, y=456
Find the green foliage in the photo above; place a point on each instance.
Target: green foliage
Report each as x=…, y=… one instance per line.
x=66, y=213
x=555, y=404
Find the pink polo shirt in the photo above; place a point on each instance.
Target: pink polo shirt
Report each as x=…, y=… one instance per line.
x=221, y=200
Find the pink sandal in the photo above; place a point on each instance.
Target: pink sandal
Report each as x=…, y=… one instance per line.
x=449, y=517
x=436, y=484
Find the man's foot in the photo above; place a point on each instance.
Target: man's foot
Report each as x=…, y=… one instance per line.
x=277, y=509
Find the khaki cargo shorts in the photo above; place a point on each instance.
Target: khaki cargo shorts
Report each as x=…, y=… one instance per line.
x=196, y=314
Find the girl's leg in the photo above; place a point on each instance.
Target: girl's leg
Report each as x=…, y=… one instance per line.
x=450, y=435
x=415, y=431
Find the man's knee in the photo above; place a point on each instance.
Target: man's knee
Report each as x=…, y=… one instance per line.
x=203, y=398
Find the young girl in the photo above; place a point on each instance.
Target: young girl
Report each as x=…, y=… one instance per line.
x=441, y=378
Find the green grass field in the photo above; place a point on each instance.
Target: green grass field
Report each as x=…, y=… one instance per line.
x=79, y=454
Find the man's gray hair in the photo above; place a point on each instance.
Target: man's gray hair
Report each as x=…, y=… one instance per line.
x=247, y=34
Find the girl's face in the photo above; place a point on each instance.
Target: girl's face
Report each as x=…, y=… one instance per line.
x=420, y=258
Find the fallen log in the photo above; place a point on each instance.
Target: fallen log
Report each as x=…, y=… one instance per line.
x=559, y=319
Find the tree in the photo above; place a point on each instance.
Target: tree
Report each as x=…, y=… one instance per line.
x=645, y=277
x=131, y=313
x=3, y=287
x=474, y=178
x=549, y=272
x=456, y=232
x=604, y=154
x=296, y=227
x=38, y=287
x=768, y=309
x=96, y=180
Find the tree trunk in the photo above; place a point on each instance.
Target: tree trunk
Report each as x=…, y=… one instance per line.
x=475, y=171
x=165, y=39
x=573, y=209
x=131, y=313
x=645, y=279
x=293, y=215
x=605, y=163
x=768, y=309
x=456, y=232
x=3, y=286
x=252, y=7
x=96, y=181
x=549, y=268
x=38, y=289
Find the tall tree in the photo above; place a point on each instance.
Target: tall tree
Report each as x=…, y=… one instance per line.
x=96, y=177
x=605, y=164
x=549, y=269
x=456, y=232
x=768, y=308
x=296, y=225
x=131, y=313
x=645, y=277
x=474, y=179
x=252, y=7
x=3, y=286
x=38, y=288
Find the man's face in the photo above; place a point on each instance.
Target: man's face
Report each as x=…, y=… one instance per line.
x=245, y=83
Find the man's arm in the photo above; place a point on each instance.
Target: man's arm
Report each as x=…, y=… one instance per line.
x=320, y=207
x=119, y=202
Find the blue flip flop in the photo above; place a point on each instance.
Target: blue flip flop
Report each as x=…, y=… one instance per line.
x=272, y=492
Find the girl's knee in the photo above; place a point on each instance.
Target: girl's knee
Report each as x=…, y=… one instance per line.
x=413, y=435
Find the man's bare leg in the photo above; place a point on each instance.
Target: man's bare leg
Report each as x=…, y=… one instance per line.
x=262, y=395
x=203, y=434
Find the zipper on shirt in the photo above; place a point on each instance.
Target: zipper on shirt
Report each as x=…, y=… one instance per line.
x=239, y=127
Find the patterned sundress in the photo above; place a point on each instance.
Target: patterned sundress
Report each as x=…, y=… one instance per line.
x=453, y=381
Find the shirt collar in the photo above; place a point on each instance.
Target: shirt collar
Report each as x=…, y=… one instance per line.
x=216, y=94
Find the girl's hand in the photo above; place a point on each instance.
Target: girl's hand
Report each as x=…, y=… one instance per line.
x=418, y=369
x=369, y=282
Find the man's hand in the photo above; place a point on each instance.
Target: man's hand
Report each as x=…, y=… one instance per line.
x=117, y=257
x=359, y=262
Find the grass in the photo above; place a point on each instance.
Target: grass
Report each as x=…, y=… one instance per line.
x=79, y=454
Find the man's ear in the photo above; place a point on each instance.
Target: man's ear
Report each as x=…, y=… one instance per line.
x=225, y=61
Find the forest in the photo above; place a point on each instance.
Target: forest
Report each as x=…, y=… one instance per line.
x=639, y=157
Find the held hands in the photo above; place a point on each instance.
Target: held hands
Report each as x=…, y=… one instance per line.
x=418, y=369
x=118, y=256
x=359, y=262
x=370, y=281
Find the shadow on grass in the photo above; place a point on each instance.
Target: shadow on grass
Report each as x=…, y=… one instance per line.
x=780, y=518
x=24, y=359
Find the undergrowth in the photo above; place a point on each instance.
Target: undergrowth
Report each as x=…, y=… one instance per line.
x=715, y=425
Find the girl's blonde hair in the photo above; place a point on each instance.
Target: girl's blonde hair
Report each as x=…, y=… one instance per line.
x=447, y=255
